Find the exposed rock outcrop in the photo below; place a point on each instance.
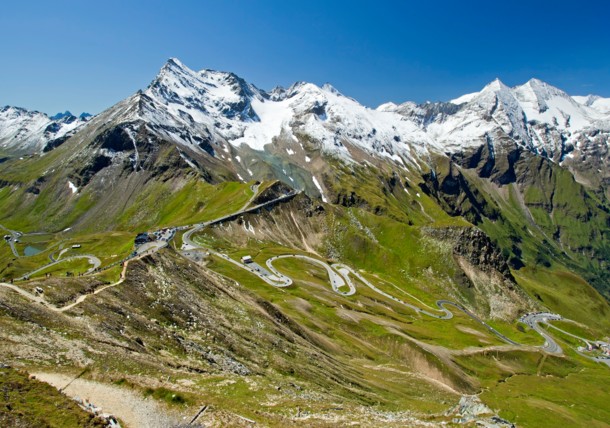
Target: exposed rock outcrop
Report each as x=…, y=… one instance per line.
x=488, y=283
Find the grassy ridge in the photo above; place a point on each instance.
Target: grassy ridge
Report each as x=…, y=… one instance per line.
x=28, y=402
x=196, y=201
x=568, y=294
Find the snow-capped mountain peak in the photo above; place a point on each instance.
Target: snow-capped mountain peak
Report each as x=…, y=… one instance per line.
x=23, y=131
x=212, y=93
x=547, y=104
x=388, y=107
x=495, y=85
x=60, y=115
x=330, y=88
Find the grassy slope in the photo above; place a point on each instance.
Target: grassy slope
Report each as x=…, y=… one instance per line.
x=567, y=294
x=28, y=402
x=398, y=255
x=196, y=201
x=555, y=223
x=367, y=318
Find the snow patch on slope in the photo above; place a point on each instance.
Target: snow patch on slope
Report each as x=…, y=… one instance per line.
x=272, y=116
x=317, y=184
x=72, y=187
x=465, y=98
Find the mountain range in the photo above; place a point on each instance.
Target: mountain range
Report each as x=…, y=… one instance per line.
x=217, y=113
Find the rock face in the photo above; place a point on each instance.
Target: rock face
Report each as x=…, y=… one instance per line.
x=488, y=282
x=475, y=247
x=298, y=223
x=274, y=191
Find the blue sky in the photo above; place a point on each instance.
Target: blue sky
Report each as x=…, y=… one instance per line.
x=86, y=56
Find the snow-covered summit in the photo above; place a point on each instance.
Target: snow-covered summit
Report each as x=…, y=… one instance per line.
x=183, y=104
x=23, y=131
x=536, y=116
x=210, y=92
x=544, y=103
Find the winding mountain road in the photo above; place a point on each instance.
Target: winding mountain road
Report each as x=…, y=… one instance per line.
x=339, y=277
x=534, y=320
x=346, y=271
x=335, y=279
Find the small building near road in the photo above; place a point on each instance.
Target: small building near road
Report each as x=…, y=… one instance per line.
x=76, y=246
x=246, y=259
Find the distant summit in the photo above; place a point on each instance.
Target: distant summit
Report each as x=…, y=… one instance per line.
x=60, y=115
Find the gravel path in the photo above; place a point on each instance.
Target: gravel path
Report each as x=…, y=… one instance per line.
x=133, y=410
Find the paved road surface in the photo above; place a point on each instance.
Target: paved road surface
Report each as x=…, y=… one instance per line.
x=254, y=189
x=346, y=270
x=533, y=320
x=336, y=280
x=199, y=226
x=442, y=303
x=11, y=242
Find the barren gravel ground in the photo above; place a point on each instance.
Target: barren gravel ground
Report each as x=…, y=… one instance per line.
x=133, y=410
